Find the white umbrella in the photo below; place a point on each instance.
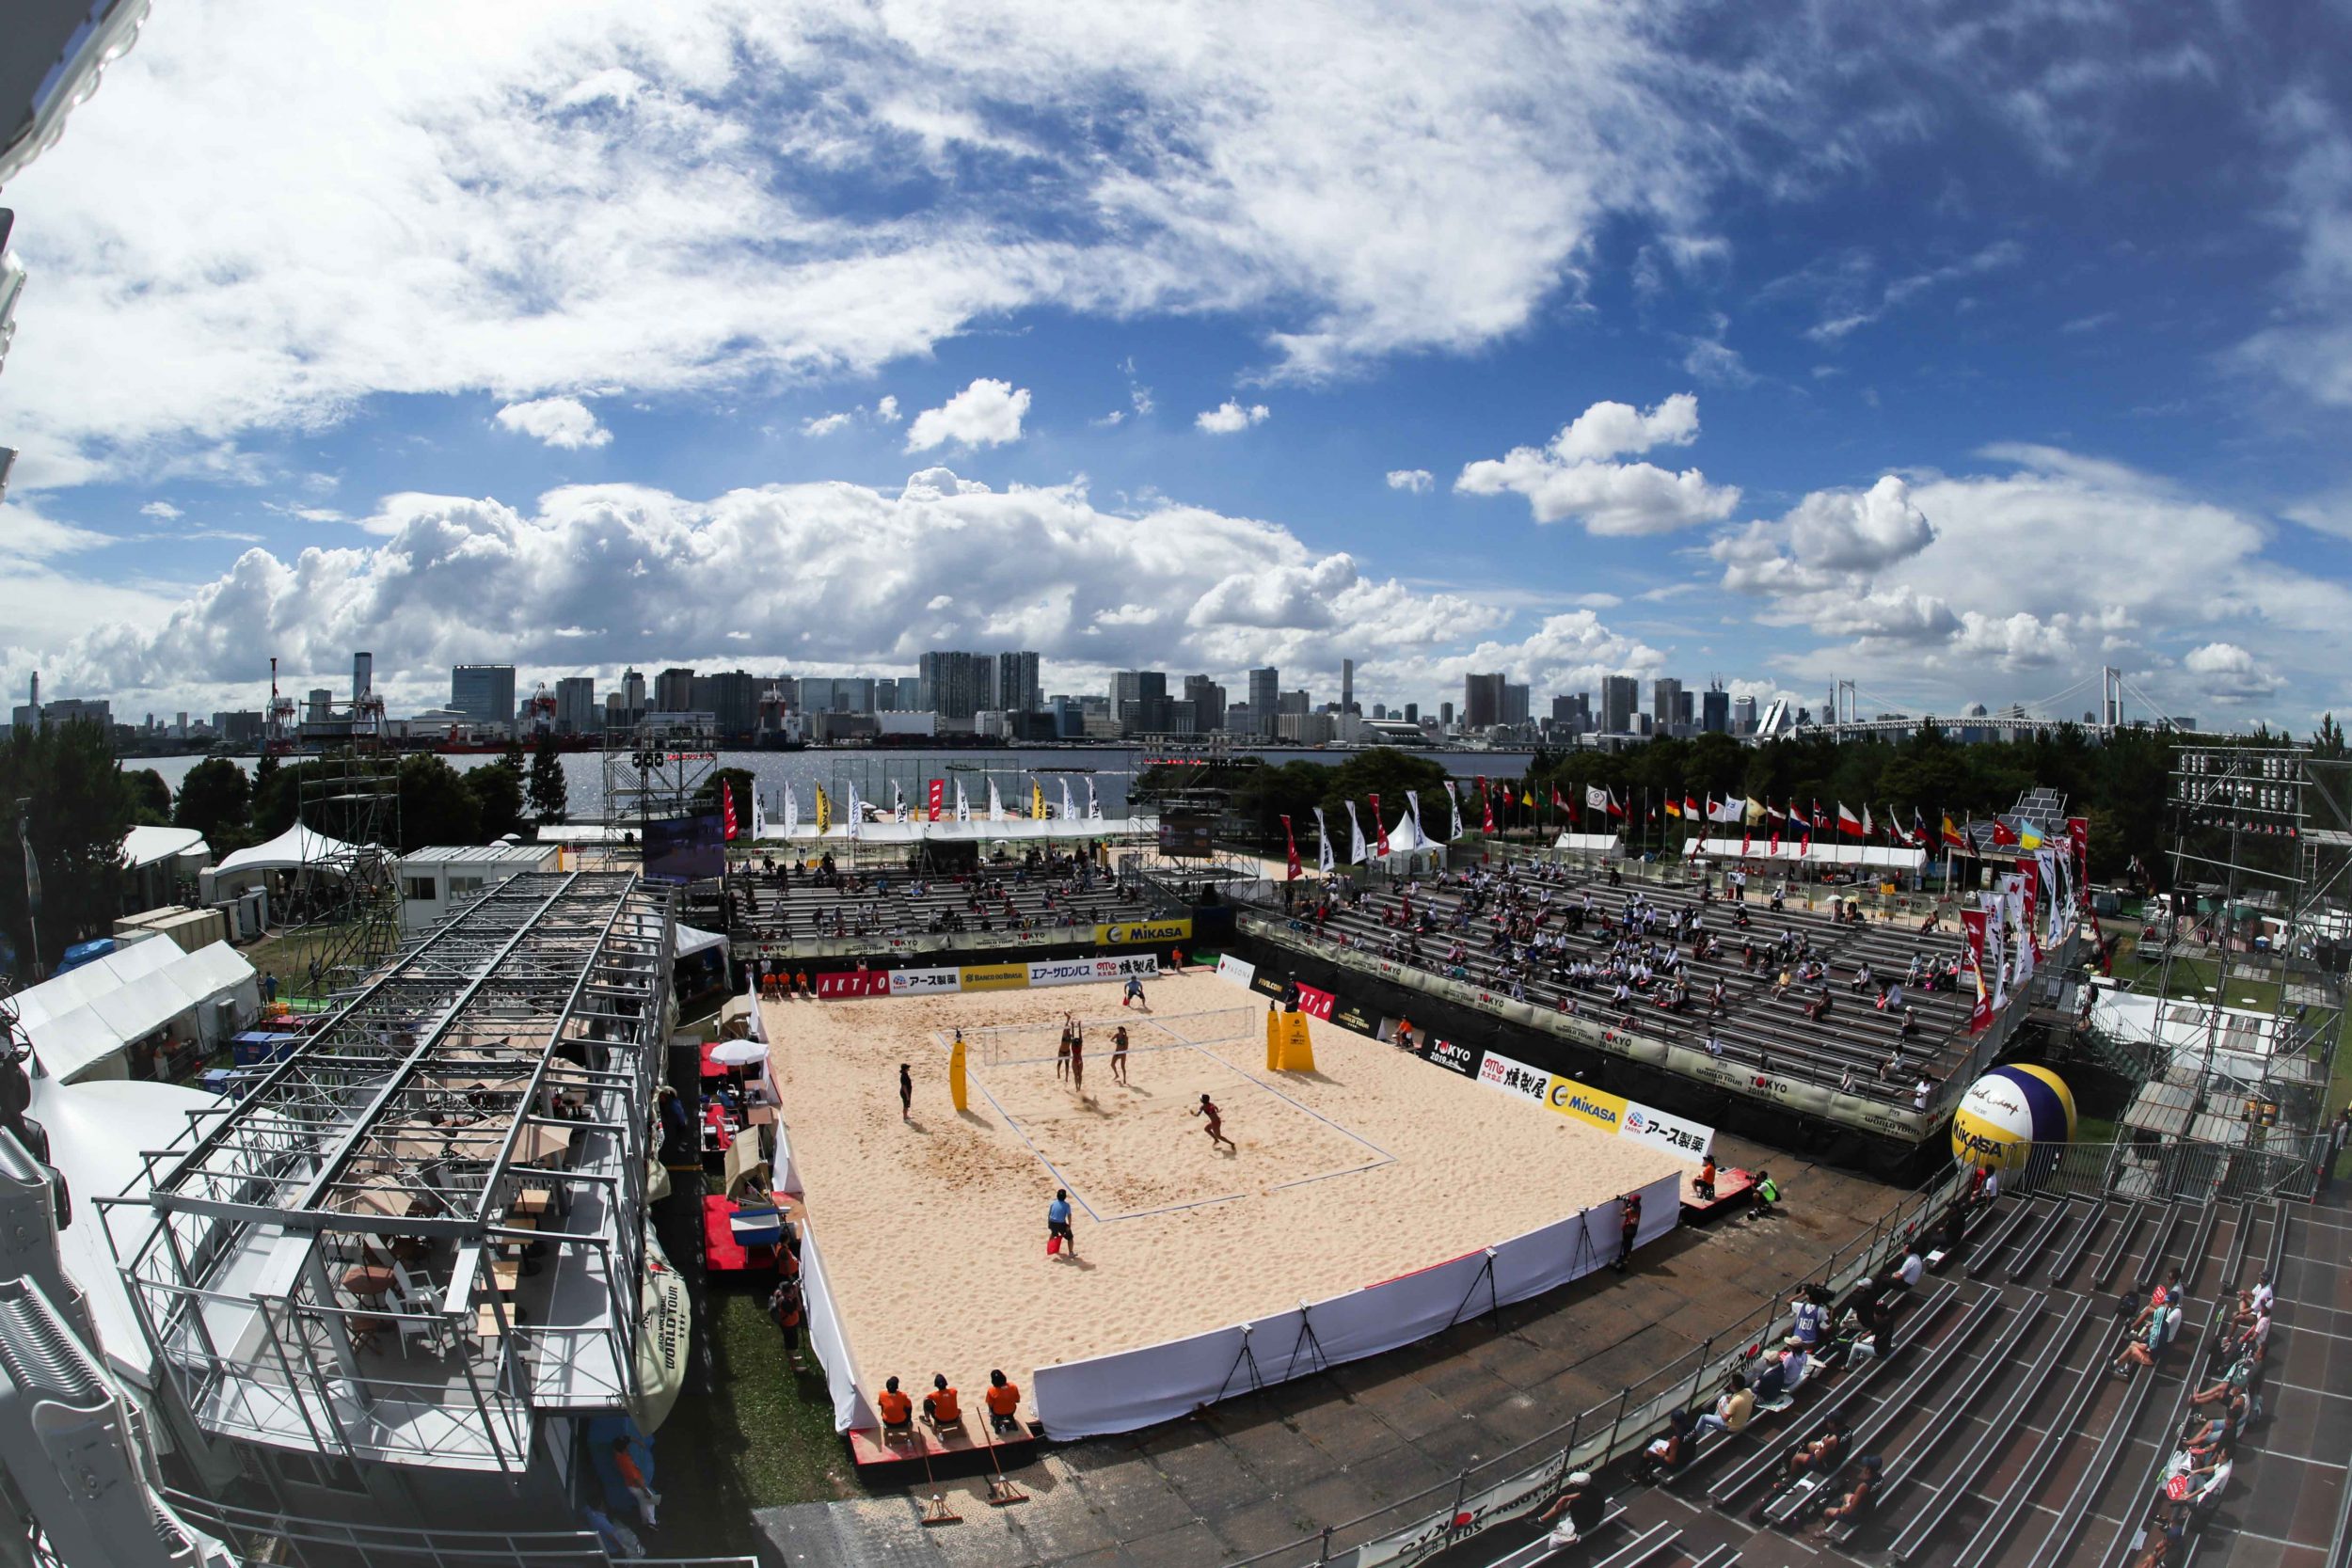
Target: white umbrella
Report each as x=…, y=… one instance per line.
x=739, y=1052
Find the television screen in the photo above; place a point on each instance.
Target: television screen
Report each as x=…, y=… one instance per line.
x=685, y=848
x=1185, y=836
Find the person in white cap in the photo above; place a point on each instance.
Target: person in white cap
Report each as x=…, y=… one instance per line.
x=1583, y=1504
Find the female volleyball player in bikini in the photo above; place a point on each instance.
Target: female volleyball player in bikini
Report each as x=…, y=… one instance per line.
x=1217, y=1124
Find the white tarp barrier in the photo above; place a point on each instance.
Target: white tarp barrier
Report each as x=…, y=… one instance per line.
x=1131, y=1389
x=825, y=1337
x=1824, y=853
x=1512, y=1499
x=1236, y=970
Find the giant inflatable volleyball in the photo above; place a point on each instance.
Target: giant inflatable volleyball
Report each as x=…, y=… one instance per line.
x=2006, y=1112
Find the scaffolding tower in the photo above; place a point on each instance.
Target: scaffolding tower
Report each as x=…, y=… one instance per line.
x=343, y=912
x=2251, y=945
x=656, y=770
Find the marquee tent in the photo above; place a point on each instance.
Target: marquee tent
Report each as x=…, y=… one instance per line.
x=143, y=846
x=979, y=829
x=1887, y=857
x=686, y=940
x=1590, y=844
x=291, y=850
x=80, y=1023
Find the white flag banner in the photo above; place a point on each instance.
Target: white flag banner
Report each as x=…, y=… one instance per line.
x=1067, y=814
x=1357, y=829
x=1412, y=809
x=964, y=806
x=898, y=801
x=1997, y=946
x=1456, y=799
x=1597, y=797
x=1094, y=803
x=995, y=803
x=760, y=817
x=857, y=814
x=791, y=812
x=1323, y=841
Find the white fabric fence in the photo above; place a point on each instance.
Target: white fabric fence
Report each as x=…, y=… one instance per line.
x=1129, y=1390
x=826, y=1338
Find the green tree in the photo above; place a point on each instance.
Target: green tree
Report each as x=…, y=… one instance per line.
x=2328, y=745
x=151, y=798
x=215, y=799
x=436, y=805
x=64, y=793
x=550, y=799
x=498, y=796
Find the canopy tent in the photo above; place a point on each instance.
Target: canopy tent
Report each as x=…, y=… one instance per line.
x=1885, y=857
x=686, y=940
x=295, y=847
x=1590, y=844
x=143, y=846
x=978, y=829
x=79, y=1021
x=97, y=1132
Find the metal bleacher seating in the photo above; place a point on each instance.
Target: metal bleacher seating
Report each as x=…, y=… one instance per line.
x=1036, y=899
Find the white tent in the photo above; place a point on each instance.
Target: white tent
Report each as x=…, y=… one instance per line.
x=978, y=829
x=1589, y=844
x=295, y=847
x=1887, y=857
x=149, y=846
x=687, y=940
x=79, y=1021
x=97, y=1132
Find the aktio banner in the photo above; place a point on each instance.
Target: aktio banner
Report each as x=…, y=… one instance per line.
x=854, y=982
x=924, y=982
x=1314, y=1003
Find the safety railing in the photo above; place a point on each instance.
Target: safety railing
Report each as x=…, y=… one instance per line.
x=1619, y=1426
x=268, y=1536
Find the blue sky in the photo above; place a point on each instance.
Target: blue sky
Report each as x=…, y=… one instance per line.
x=1955, y=352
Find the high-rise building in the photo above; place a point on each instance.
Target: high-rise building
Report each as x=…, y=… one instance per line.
x=576, y=711
x=241, y=728
x=484, y=693
x=1572, y=711
x=1300, y=700
x=1515, y=699
x=1743, y=716
x=615, y=711
x=1445, y=715
x=735, y=702
x=1208, y=703
x=673, y=690
x=959, y=685
x=842, y=694
x=1619, y=696
x=632, y=697
x=1482, y=701
x=1665, y=703
x=1715, y=709
x=1139, y=701
x=362, y=676
x=318, y=705
x=1412, y=713
x=1264, y=691
x=1017, y=690
x=1347, y=686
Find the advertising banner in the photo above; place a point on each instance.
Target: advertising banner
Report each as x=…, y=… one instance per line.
x=1588, y=1105
x=1314, y=1003
x=1079, y=972
x=1687, y=1140
x=1266, y=982
x=1143, y=931
x=854, y=982
x=1513, y=1498
x=993, y=977
x=1498, y=1072
x=1460, y=1058
x=1352, y=1017
x=1236, y=970
x=924, y=982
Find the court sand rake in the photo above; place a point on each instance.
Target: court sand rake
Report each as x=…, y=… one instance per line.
x=1002, y=1493
x=936, y=1509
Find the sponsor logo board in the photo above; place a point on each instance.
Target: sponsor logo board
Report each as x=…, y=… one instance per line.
x=1266, y=982
x=921, y=982
x=854, y=982
x=1236, y=970
x=1498, y=1072
x=1690, y=1140
x=1353, y=1017
x=1460, y=1058
x=993, y=977
x=1079, y=972
x=1586, y=1105
x=1315, y=1003
x=1143, y=931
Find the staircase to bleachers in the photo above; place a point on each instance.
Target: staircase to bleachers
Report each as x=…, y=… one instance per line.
x=2005, y=1438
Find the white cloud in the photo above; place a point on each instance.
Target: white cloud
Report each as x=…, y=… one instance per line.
x=827, y=424
x=886, y=409
x=163, y=510
x=1418, y=481
x=985, y=414
x=877, y=579
x=2228, y=674
x=1852, y=302
x=1229, y=417
x=1572, y=477
x=559, y=421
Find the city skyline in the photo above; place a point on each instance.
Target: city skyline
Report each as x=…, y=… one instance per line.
x=1959, y=381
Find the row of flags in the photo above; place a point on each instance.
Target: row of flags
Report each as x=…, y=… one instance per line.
x=934, y=807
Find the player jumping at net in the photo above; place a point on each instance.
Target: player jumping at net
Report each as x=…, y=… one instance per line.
x=1133, y=992
x=1078, y=1061
x=1118, y=1053
x=1061, y=1056
x=1217, y=1124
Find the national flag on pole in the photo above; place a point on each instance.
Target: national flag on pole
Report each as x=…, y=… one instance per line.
x=1290, y=844
x=964, y=806
x=1674, y=807
x=1954, y=837
x=1322, y=844
x=1599, y=799
x=1848, y=823
x=1487, y=806
x=1774, y=812
x=1356, y=834
x=1380, y=826
x=1527, y=797
x=791, y=814
x=726, y=807
x=1918, y=838
x=2027, y=837
x=1557, y=804
x=1456, y=802
x=1690, y=809
x=938, y=796
x=2004, y=837
x=1094, y=803
x=1614, y=810
x=1756, y=810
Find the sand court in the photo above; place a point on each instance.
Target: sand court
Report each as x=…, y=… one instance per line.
x=932, y=1230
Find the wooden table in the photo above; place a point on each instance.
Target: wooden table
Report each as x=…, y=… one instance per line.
x=530, y=1203
x=759, y=1116
x=505, y=1273
x=368, y=1281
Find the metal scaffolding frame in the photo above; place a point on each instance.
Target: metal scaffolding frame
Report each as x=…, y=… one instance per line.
x=476, y=1112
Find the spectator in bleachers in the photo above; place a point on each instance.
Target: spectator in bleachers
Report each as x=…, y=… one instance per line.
x=1913, y=1266
x=1787, y=1369
x=1808, y=1318
x=1850, y=1508
x=2255, y=1300
x=2233, y=1382
x=1581, y=1502
x=2146, y=1350
x=1732, y=1411
x=1666, y=1454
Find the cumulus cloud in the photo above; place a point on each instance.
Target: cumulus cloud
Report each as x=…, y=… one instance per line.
x=985, y=414
x=886, y=409
x=878, y=578
x=827, y=424
x=1574, y=476
x=1418, y=481
x=1229, y=417
x=559, y=421
x=2228, y=674
x=161, y=511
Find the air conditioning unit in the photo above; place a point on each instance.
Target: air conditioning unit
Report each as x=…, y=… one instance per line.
x=224, y=1020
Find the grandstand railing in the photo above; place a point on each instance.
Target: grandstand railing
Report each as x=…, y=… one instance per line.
x=2175, y=1170
x=258, y=1535
x=1620, y=1426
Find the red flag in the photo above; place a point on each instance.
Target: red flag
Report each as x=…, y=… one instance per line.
x=1773, y=849
x=1289, y=841
x=939, y=793
x=1980, y=1010
x=1690, y=808
x=726, y=807
x=2004, y=835
x=1486, y=804
x=1747, y=840
x=1557, y=804
x=1378, y=826
x=2078, y=835
x=1848, y=823
x=1616, y=810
